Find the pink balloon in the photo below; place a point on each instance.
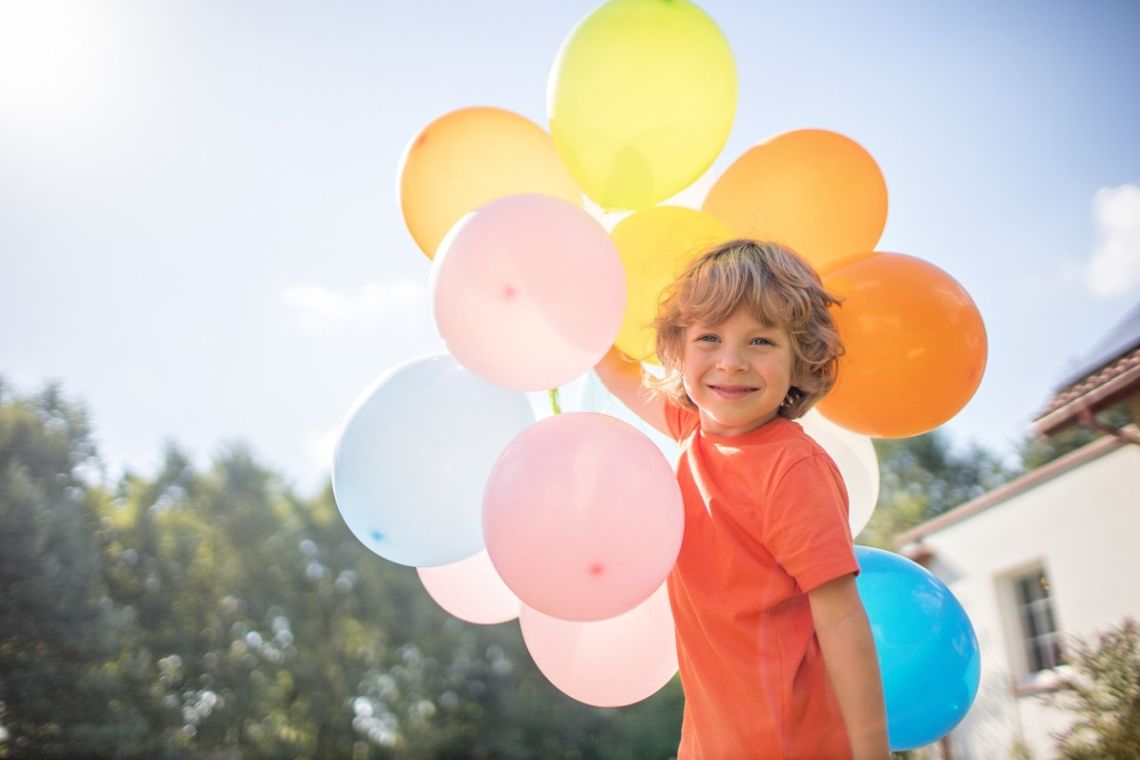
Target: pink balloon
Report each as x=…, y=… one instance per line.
x=528, y=291
x=471, y=590
x=582, y=516
x=609, y=663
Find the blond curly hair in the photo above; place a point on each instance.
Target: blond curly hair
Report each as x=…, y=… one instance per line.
x=777, y=288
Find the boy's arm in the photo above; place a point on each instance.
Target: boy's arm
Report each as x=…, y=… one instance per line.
x=622, y=377
x=849, y=653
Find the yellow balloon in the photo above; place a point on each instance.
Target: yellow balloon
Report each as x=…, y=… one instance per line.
x=655, y=245
x=641, y=99
x=818, y=192
x=469, y=157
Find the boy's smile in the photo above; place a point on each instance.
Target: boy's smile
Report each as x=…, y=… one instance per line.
x=732, y=391
x=737, y=372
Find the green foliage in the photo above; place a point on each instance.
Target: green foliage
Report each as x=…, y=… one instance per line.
x=1104, y=692
x=922, y=477
x=1036, y=452
x=56, y=631
x=216, y=613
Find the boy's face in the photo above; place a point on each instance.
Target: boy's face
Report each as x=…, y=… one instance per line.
x=736, y=372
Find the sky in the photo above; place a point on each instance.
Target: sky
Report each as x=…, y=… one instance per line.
x=200, y=235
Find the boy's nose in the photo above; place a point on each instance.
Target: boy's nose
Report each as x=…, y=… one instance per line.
x=730, y=361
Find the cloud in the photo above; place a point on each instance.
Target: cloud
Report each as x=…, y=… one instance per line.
x=1115, y=266
x=320, y=309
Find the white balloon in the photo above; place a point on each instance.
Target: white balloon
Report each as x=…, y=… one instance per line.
x=413, y=457
x=854, y=454
x=471, y=590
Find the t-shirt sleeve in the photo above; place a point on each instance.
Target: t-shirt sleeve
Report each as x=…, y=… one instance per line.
x=805, y=523
x=681, y=421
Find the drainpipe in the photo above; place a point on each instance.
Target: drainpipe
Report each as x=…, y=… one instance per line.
x=1128, y=433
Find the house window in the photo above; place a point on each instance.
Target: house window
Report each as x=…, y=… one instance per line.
x=1041, y=639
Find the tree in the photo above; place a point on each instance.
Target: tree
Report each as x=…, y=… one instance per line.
x=56, y=626
x=1036, y=452
x=924, y=476
x=214, y=612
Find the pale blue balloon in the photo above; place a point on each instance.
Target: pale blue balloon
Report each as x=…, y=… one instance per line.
x=413, y=457
x=928, y=651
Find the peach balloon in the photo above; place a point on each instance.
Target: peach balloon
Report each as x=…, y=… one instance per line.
x=608, y=663
x=471, y=590
x=528, y=292
x=816, y=191
x=468, y=157
x=655, y=244
x=915, y=342
x=582, y=516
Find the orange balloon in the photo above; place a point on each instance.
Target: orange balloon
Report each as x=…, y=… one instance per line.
x=915, y=346
x=468, y=157
x=831, y=266
x=813, y=190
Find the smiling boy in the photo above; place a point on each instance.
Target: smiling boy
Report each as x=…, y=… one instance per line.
x=775, y=652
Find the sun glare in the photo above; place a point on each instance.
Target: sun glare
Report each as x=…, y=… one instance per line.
x=56, y=64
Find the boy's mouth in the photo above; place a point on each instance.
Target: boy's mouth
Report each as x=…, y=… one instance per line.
x=732, y=391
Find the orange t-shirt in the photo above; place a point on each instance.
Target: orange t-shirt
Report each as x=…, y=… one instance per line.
x=765, y=522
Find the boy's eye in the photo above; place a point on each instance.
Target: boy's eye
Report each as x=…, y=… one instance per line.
x=707, y=337
x=762, y=342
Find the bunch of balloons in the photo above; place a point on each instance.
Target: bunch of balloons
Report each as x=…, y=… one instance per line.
x=572, y=523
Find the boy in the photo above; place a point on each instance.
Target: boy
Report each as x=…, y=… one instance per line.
x=776, y=655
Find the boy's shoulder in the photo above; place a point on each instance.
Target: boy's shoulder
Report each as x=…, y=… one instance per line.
x=798, y=439
x=787, y=446
x=789, y=435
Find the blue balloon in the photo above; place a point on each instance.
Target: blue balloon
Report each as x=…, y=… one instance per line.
x=414, y=455
x=928, y=651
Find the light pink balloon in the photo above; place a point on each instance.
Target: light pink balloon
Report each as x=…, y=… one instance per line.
x=608, y=663
x=471, y=590
x=528, y=291
x=582, y=516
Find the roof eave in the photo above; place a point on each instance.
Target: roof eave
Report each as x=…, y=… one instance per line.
x=1119, y=387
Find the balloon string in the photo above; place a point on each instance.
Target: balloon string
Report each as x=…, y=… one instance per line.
x=554, y=406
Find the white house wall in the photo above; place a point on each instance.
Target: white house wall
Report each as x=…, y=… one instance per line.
x=1083, y=526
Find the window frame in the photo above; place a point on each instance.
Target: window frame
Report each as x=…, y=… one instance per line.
x=1040, y=634
x=1034, y=632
